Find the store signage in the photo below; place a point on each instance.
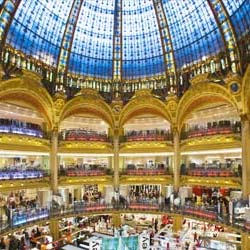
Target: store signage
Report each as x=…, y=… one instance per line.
x=95, y=246
x=144, y=242
x=230, y=211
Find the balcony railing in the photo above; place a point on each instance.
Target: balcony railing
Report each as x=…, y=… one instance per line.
x=145, y=171
x=141, y=136
x=76, y=172
x=199, y=132
x=20, y=217
x=211, y=172
x=22, y=131
x=23, y=174
x=31, y=215
x=83, y=135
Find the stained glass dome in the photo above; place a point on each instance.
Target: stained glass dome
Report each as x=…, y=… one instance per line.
x=133, y=38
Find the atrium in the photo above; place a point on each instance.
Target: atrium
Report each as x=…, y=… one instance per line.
x=125, y=124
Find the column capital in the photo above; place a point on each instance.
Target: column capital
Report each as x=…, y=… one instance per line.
x=175, y=130
x=55, y=129
x=116, y=132
x=245, y=117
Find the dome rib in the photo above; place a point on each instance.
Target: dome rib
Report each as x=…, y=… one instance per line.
x=227, y=32
x=67, y=41
x=167, y=45
x=117, y=42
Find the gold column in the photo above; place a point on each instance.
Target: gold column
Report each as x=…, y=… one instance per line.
x=163, y=191
x=245, y=241
x=116, y=162
x=177, y=223
x=245, y=141
x=77, y=193
x=54, y=160
x=116, y=219
x=176, y=160
x=54, y=229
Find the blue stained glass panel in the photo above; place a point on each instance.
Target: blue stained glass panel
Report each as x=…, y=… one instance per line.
x=92, y=49
x=38, y=27
x=193, y=29
x=142, y=47
x=239, y=11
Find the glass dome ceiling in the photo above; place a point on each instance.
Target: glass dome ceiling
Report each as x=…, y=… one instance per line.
x=91, y=37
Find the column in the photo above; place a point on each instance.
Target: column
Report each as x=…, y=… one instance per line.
x=177, y=223
x=110, y=164
x=116, y=162
x=54, y=160
x=245, y=141
x=77, y=193
x=163, y=191
x=176, y=160
x=116, y=217
x=245, y=241
x=54, y=229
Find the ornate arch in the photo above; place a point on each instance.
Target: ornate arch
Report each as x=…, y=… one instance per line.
x=88, y=101
x=143, y=102
x=199, y=94
x=29, y=90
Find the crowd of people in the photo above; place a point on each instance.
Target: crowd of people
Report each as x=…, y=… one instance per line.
x=25, y=239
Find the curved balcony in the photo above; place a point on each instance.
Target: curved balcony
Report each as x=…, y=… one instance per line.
x=146, y=171
x=33, y=215
x=211, y=172
x=147, y=135
x=83, y=135
x=220, y=128
x=24, y=216
x=78, y=172
x=22, y=174
x=21, y=128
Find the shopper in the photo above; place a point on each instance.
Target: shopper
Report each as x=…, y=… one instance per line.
x=2, y=244
x=195, y=236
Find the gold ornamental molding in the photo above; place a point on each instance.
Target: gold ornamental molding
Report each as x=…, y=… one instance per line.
x=28, y=89
x=85, y=147
x=146, y=146
x=152, y=179
x=88, y=101
x=23, y=143
x=227, y=182
x=11, y=185
x=213, y=141
x=143, y=102
x=71, y=181
x=202, y=92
